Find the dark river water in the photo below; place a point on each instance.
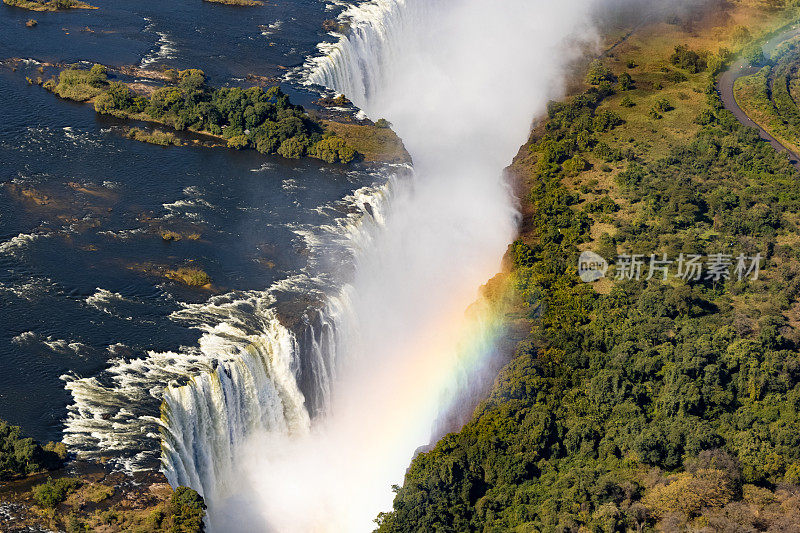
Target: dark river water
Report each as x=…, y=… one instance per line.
x=82, y=208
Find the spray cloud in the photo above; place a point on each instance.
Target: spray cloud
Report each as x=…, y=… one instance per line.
x=460, y=81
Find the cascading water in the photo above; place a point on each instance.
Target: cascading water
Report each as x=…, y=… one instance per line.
x=460, y=80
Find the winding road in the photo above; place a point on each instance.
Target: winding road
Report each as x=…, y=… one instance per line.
x=740, y=69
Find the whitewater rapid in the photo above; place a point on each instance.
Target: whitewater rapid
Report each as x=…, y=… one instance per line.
x=304, y=424
x=460, y=81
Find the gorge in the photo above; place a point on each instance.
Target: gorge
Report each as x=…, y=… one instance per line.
x=309, y=431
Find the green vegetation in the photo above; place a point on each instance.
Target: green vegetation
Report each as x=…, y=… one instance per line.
x=99, y=493
x=331, y=150
x=75, y=505
x=186, y=510
x=51, y=5
x=79, y=84
x=246, y=118
x=636, y=405
x=161, y=138
x=193, y=277
x=373, y=143
x=688, y=60
x=21, y=456
x=51, y=493
x=767, y=97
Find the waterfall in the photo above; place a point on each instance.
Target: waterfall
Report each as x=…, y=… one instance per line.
x=254, y=369
x=267, y=378
x=305, y=429
x=359, y=64
x=253, y=388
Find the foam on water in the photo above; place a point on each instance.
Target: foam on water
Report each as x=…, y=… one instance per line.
x=244, y=375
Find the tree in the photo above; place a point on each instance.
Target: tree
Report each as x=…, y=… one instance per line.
x=191, y=79
x=292, y=148
x=625, y=82
x=332, y=150
x=52, y=492
x=598, y=73
x=186, y=509
x=688, y=59
x=754, y=55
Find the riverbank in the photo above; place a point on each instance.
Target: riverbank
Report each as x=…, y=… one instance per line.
x=51, y=5
x=639, y=400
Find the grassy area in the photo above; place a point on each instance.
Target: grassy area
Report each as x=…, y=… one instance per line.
x=161, y=138
x=76, y=504
x=91, y=501
x=51, y=5
x=374, y=143
x=193, y=277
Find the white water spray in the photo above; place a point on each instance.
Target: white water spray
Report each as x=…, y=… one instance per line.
x=460, y=80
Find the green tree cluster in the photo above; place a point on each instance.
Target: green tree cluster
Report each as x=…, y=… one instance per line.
x=52, y=492
x=247, y=118
x=20, y=456
x=688, y=59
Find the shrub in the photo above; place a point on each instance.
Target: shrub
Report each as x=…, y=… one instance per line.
x=51, y=493
x=754, y=55
x=687, y=59
x=99, y=493
x=193, y=277
x=383, y=123
x=161, y=138
x=598, y=73
x=98, y=76
x=606, y=120
x=575, y=164
x=627, y=101
x=606, y=153
x=291, y=149
x=663, y=105
x=238, y=142
x=79, y=84
x=332, y=150
x=186, y=510
x=626, y=82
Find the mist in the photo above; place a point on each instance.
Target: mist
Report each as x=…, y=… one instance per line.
x=461, y=82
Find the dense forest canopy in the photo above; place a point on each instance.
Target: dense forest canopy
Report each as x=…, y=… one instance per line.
x=637, y=404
